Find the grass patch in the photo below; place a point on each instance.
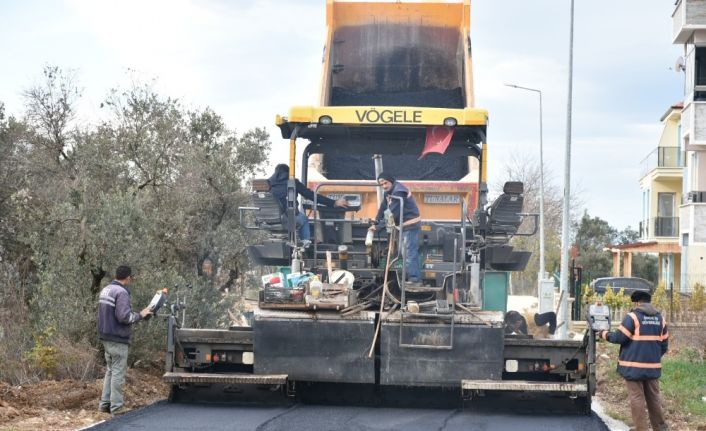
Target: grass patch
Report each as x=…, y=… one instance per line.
x=682, y=386
x=684, y=382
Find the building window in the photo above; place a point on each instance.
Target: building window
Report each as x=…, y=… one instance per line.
x=700, y=74
x=665, y=222
x=665, y=206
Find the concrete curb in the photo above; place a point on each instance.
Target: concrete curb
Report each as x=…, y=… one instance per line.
x=611, y=423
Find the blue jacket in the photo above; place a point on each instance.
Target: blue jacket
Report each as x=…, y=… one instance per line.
x=410, y=216
x=278, y=188
x=643, y=339
x=115, y=314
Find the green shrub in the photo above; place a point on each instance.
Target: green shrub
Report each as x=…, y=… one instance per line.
x=589, y=296
x=611, y=299
x=44, y=357
x=622, y=300
x=15, y=329
x=660, y=298
x=698, y=299
x=676, y=305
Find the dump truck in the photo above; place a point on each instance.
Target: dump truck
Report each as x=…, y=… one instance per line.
x=394, y=73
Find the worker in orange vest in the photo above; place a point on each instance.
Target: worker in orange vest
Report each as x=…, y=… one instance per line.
x=643, y=339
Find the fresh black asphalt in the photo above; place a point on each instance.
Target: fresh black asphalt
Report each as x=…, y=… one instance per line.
x=209, y=417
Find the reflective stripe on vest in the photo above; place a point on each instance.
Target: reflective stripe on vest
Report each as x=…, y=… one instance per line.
x=640, y=364
x=636, y=336
x=636, y=321
x=625, y=331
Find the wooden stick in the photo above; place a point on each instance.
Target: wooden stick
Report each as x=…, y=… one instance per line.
x=384, y=292
x=469, y=311
x=329, y=265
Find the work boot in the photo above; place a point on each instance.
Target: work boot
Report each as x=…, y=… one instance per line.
x=119, y=411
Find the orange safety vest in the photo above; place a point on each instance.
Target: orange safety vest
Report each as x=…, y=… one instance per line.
x=643, y=339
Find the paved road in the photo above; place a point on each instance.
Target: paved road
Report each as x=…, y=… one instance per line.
x=182, y=416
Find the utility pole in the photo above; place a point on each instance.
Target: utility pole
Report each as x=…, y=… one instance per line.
x=542, y=268
x=563, y=317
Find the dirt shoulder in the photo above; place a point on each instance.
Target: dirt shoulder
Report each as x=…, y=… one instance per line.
x=70, y=404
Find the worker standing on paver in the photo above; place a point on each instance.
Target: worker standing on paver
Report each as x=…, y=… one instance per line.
x=643, y=339
x=411, y=223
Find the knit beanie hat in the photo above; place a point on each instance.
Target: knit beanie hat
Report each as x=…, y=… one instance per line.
x=387, y=177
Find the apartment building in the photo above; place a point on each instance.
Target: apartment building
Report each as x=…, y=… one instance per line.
x=689, y=32
x=661, y=173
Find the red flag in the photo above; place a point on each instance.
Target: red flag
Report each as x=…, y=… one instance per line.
x=438, y=140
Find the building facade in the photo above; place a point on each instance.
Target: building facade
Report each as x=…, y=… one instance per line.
x=689, y=32
x=661, y=173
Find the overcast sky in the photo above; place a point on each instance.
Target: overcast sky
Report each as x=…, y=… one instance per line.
x=250, y=60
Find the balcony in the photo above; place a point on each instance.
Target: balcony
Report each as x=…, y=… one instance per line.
x=665, y=226
x=660, y=227
x=661, y=157
x=689, y=15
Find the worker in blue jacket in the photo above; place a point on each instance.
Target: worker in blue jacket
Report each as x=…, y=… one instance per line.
x=643, y=339
x=411, y=223
x=278, y=188
x=115, y=320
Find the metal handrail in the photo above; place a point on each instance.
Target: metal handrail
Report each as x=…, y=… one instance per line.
x=661, y=157
x=451, y=315
x=242, y=211
x=536, y=224
x=454, y=273
x=665, y=226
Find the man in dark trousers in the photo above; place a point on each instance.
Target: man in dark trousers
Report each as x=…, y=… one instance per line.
x=278, y=188
x=115, y=316
x=411, y=223
x=643, y=339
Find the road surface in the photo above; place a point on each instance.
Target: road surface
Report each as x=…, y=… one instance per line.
x=495, y=415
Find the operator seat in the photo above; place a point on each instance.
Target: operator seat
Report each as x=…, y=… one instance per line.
x=273, y=250
x=504, y=220
x=270, y=216
x=504, y=214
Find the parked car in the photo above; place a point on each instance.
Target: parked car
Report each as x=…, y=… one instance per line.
x=629, y=284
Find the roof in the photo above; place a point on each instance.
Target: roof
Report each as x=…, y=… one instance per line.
x=676, y=107
x=646, y=247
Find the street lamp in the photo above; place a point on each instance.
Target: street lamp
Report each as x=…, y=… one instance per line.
x=541, y=272
x=563, y=317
